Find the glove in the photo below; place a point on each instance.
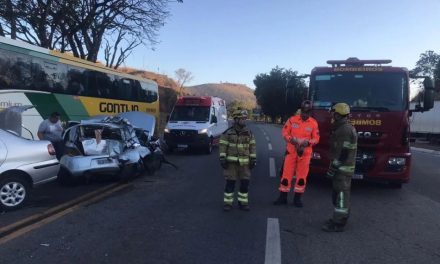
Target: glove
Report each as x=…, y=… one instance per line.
x=332, y=170
x=294, y=141
x=252, y=163
x=223, y=163
x=305, y=143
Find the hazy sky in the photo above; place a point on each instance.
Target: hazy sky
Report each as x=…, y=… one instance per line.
x=233, y=40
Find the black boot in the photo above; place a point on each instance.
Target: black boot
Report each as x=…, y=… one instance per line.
x=244, y=207
x=331, y=226
x=297, y=200
x=282, y=199
x=227, y=207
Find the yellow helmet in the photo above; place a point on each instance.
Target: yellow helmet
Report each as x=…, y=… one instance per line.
x=341, y=108
x=239, y=114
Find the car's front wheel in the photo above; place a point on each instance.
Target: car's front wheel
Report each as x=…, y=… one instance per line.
x=14, y=192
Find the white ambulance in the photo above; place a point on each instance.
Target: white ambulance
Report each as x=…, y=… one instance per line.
x=196, y=122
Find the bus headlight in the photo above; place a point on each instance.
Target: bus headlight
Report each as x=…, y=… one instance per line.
x=203, y=131
x=394, y=161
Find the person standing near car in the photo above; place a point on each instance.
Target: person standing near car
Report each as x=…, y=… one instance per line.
x=238, y=156
x=52, y=130
x=301, y=134
x=343, y=148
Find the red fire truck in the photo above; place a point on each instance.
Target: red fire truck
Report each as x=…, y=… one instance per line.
x=379, y=99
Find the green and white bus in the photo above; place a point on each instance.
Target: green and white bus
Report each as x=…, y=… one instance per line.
x=77, y=89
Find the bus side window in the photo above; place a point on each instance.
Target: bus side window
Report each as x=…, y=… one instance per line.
x=39, y=76
x=125, y=90
x=14, y=70
x=76, y=81
x=149, y=93
x=56, y=73
x=113, y=86
x=103, y=83
x=92, y=88
x=137, y=93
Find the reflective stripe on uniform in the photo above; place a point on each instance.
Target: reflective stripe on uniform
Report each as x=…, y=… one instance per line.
x=283, y=188
x=238, y=145
x=348, y=145
x=252, y=141
x=341, y=210
x=252, y=155
x=341, y=200
x=242, y=197
x=231, y=158
x=222, y=154
x=228, y=198
x=243, y=161
x=299, y=189
x=347, y=169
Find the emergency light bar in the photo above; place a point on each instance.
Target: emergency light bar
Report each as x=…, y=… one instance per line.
x=356, y=62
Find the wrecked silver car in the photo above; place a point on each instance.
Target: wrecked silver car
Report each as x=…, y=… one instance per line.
x=104, y=146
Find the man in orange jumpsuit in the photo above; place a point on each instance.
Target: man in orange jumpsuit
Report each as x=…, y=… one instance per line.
x=301, y=133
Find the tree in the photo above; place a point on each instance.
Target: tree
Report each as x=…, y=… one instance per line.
x=183, y=76
x=427, y=65
x=279, y=93
x=85, y=26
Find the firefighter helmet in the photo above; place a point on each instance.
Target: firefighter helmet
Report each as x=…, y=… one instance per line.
x=239, y=114
x=341, y=108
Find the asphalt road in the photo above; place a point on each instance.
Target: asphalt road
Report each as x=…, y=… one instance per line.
x=50, y=195
x=176, y=216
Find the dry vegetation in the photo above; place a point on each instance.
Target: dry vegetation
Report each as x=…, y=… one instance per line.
x=228, y=91
x=168, y=92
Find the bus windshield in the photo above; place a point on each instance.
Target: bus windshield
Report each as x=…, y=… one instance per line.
x=362, y=91
x=190, y=113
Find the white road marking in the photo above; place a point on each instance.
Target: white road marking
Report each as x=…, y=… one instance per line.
x=267, y=138
x=272, y=169
x=273, y=242
x=269, y=146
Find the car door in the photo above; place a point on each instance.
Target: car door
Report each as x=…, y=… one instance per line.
x=3, y=151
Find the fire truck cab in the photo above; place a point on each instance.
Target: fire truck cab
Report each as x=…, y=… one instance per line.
x=378, y=96
x=196, y=122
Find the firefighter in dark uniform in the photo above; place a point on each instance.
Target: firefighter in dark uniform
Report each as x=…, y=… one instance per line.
x=343, y=147
x=237, y=157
